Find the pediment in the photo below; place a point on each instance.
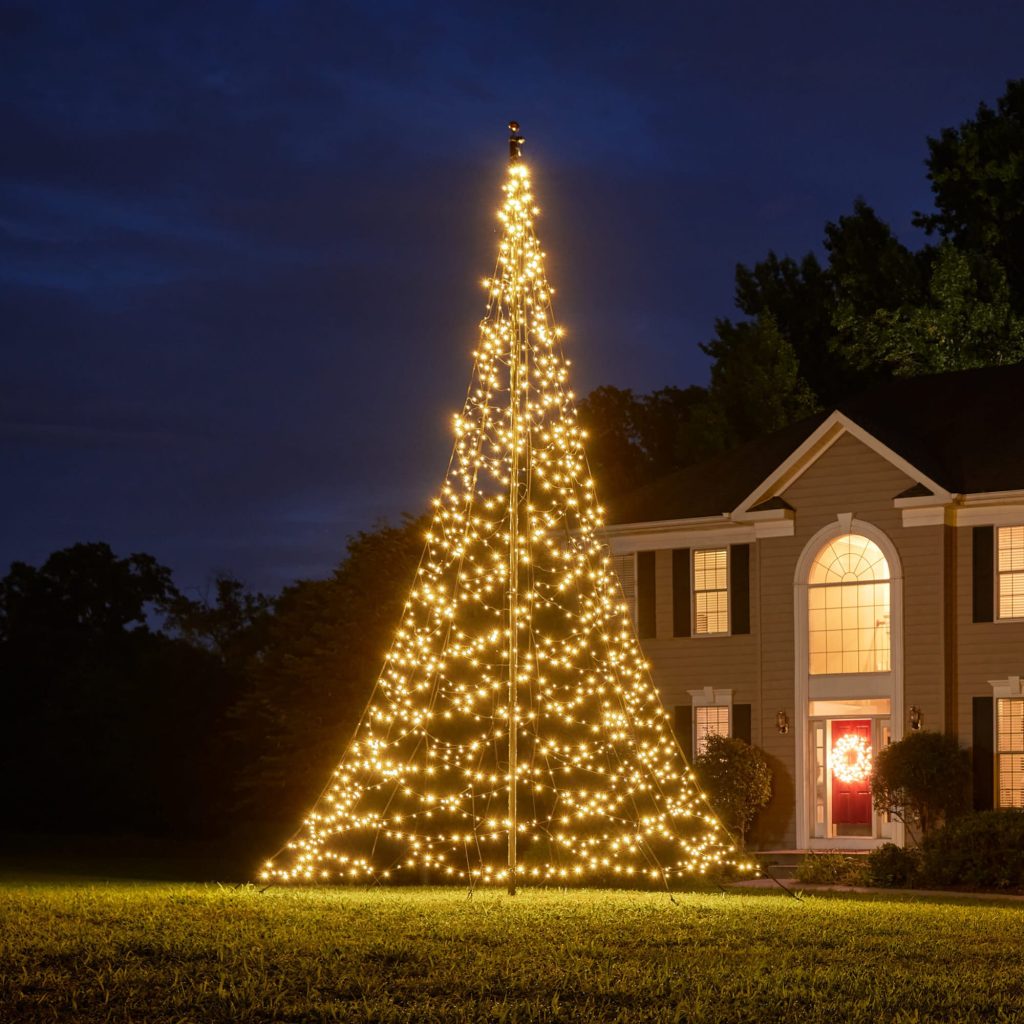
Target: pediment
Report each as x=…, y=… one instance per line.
x=769, y=492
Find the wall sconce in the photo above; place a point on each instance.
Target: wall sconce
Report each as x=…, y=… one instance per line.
x=782, y=722
x=916, y=717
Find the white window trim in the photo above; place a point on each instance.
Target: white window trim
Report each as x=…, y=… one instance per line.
x=995, y=574
x=871, y=684
x=845, y=521
x=709, y=697
x=727, y=548
x=1010, y=688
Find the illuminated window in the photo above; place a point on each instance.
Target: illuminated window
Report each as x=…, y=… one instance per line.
x=1010, y=750
x=1010, y=571
x=711, y=591
x=708, y=721
x=848, y=608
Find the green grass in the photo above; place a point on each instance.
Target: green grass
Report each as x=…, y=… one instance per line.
x=154, y=953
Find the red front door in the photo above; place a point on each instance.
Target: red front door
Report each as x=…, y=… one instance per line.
x=851, y=778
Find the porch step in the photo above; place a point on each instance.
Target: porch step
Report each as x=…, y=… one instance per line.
x=780, y=863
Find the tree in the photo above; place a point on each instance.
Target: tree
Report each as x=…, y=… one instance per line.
x=634, y=439
x=800, y=299
x=513, y=733
x=756, y=386
x=612, y=418
x=81, y=593
x=737, y=780
x=967, y=321
x=977, y=178
x=922, y=779
x=305, y=691
x=232, y=623
x=111, y=714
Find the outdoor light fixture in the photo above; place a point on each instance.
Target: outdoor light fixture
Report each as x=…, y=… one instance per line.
x=782, y=722
x=916, y=717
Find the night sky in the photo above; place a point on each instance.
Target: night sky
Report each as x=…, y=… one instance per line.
x=242, y=243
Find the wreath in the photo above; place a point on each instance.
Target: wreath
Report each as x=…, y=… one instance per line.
x=851, y=758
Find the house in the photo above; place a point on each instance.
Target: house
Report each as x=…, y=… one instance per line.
x=827, y=588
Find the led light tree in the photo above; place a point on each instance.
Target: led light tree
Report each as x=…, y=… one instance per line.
x=514, y=733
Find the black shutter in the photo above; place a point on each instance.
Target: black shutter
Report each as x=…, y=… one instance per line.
x=984, y=585
x=739, y=589
x=983, y=756
x=645, y=595
x=741, y=722
x=684, y=729
x=681, y=592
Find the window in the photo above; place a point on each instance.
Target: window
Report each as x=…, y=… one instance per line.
x=711, y=591
x=708, y=721
x=848, y=608
x=1010, y=751
x=1010, y=571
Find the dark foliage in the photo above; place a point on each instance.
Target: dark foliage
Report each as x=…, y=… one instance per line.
x=140, y=710
x=977, y=179
x=737, y=780
x=110, y=716
x=922, y=779
x=984, y=850
x=894, y=867
x=325, y=646
x=833, y=869
x=632, y=439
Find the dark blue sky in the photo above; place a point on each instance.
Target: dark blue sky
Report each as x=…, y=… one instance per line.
x=242, y=243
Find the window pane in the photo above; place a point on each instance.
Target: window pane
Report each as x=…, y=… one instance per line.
x=709, y=721
x=1010, y=565
x=1011, y=780
x=1010, y=748
x=1011, y=595
x=854, y=625
x=850, y=558
x=1010, y=724
x=1011, y=548
x=710, y=591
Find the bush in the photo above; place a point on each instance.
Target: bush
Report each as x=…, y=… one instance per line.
x=922, y=779
x=893, y=867
x=832, y=869
x=983, y=850
x=737, y=780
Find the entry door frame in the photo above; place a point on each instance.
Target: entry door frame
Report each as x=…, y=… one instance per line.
x=886, y=833
x=858, y=685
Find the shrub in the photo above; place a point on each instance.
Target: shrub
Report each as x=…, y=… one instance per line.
x=737, y=780
x=832, y=869
x=893, y=867
x=983, y=850
x=922, y=779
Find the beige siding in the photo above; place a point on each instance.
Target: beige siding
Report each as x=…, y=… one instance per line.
x=690, y=663
x=986, y=650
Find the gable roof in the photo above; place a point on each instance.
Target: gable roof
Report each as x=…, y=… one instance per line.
x=963, y=432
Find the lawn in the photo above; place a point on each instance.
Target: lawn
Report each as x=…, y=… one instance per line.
x=154, y=952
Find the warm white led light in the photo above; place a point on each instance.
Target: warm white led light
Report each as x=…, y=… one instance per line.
x=514, y=584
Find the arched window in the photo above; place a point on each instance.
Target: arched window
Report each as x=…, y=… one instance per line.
x=848, y=608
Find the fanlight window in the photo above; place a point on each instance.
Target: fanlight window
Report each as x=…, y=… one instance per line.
x=848, y=608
